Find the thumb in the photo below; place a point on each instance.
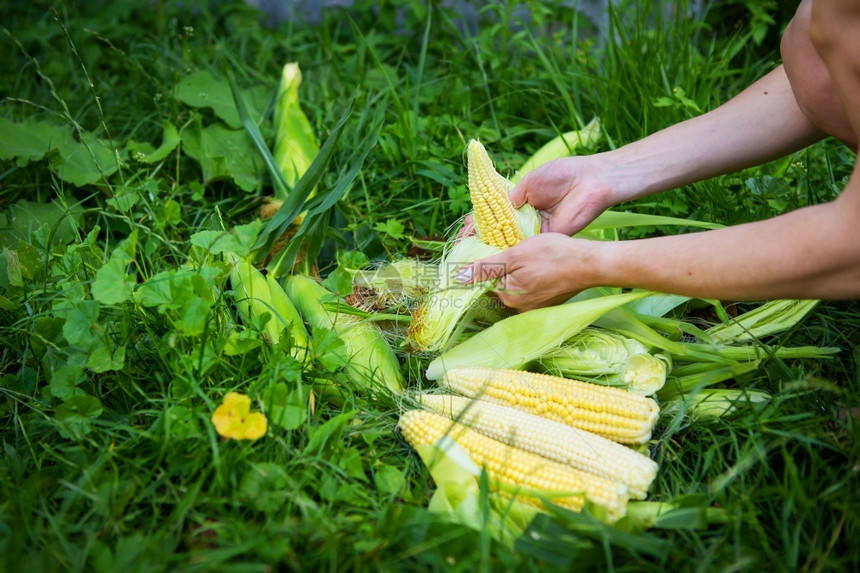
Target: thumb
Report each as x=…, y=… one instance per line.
x=519, y=194
x=486, y=269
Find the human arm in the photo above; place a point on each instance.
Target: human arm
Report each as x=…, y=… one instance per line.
x=809, y=253
x=761, y=123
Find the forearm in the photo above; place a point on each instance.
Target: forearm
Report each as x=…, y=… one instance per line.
x=809, y=253
x=762, y=123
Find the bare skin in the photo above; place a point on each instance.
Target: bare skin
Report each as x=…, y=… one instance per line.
x=809, y=253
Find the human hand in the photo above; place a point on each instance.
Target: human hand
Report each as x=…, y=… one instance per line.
x=543, y=270
x=568, y=192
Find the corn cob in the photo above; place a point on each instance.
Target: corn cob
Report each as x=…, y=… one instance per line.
x=498, y=227
x=510, y=469
x=577, y=448
x=257, y=294
x=613, y=413
x=495, y=219
x=370, y=359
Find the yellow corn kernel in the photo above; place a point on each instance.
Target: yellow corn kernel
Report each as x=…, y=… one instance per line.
x=559, y=442
x=615, y=414
x=510, y=469
x=495, y=219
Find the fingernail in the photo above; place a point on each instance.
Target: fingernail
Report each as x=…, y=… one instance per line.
x=464, y=275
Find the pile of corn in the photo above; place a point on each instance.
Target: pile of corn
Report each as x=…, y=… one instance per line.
x=541, y=437
x=538, y=437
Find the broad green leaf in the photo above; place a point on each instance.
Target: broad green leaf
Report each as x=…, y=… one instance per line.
x=242, y=342
x=391, y=227
x=326, y=437
x=238, y=240
x=389, y=480
x=265, y=486
x=112, y=284
x=30, y=260
x=7, y=303
x=193, y=316
x=160, y=290
x=329, y=349
x=180, y=423
x=351, y=462
x=28, y=216
x=13, y=268
x=76, y=414
x=104, y=358
x=84, y=162
x=202, y=90
x=223, y=154
x=286, y=408
x=124, y=199
x=29, y=140
x=65, y=379
x=146, y=153
x=81, y=322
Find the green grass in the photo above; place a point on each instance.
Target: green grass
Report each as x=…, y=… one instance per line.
x=109, y=461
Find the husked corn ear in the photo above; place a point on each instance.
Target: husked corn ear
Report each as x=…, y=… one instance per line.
x=613, y=413
x=577, y=448
x=494, y=215
x=510, y=468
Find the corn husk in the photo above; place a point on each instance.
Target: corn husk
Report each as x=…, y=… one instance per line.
x=603, y=357
x=370, y=362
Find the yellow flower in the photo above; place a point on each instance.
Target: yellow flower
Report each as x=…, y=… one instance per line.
x=233, y=419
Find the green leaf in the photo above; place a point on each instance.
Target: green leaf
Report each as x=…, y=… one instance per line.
x=112, y=284
x=326, y=438
x=193, y=316
x=29, y=140
x=238, y=240
x=180, y=423
x=30, y=260
x=242, y=342
x=75, y=416
x=286, y=408
x=105, y=358
x=124, y=199
x=7, y=304
x=161, y=290
x=266, y=486
x=81, y=321
x=13, y=268
x=222, y=154
x=389, y=480
x=28, y=216
x=329, y=349
x=146, y=153
x=391, y=227
x=65, y=379
x=84, y=162
x=202, y=90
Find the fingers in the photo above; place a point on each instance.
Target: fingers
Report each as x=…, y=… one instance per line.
x=518, y=195
x=487, y=269
x=468, y=227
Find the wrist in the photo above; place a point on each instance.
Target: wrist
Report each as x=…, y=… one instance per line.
x=588, y=263
x=619, y=176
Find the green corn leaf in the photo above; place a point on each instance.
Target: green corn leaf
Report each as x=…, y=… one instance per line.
x=503, y=345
